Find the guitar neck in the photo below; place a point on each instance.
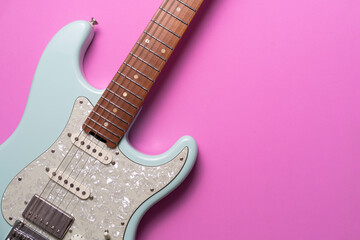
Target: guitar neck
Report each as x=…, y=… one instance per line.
x=122, y=99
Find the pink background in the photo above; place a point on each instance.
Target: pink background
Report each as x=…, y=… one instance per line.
x=269, y=89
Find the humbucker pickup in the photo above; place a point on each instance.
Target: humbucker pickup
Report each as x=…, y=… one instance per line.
x=48, y=217
x=20, y=231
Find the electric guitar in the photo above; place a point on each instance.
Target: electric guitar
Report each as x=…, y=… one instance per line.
x=74, y=174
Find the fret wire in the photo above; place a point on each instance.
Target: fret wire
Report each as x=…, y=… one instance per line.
x=113, y=114
x=165, y=28
x=127, y=90
x=100, y=134
x=132, y=81
x=117, y=106
x=186, y=5
x=164, y=59
x=108, y=121
x=122, y=98
x=93, y=120
x=145, y=62
x=138, y=71
x=158, y=40
x=174, y=16
x=172, y=24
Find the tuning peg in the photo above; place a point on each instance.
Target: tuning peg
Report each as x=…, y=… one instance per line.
x=93, y=22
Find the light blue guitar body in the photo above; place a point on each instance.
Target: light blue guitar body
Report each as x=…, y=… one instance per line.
x=54, y=97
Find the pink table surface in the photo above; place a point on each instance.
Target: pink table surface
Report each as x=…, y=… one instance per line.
x=269, y=89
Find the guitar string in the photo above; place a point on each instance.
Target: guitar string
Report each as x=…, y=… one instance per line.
x=68, y=176
x=61, y=188
x=73, y=168
x=84, y=167
x=56, y=183
x=73, y=196
x=82, y=182
x=57, y=169
x=136, y=48
x=24, y=220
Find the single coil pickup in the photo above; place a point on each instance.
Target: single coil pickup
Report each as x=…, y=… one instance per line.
x=91, y=148
x=69, y=183
x=20, y=231
x=48, y=217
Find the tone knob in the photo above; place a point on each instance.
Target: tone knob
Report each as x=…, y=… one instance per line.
x=77, y=237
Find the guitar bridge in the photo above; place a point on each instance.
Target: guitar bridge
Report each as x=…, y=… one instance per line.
x=21, y=231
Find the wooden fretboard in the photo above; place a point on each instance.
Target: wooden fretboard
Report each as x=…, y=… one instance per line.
x=122, y=99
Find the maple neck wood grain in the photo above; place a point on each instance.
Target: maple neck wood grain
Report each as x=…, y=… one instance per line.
x=122, y=99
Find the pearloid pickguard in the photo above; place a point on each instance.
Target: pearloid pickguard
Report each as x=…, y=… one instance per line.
x=118, y=189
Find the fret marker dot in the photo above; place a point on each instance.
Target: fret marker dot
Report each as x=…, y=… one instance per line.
x=124, y=94
x=136, y=76
x=147, y=40
x=163, y=50
x=114, y=110
x=178, y=9
x=106, y=124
